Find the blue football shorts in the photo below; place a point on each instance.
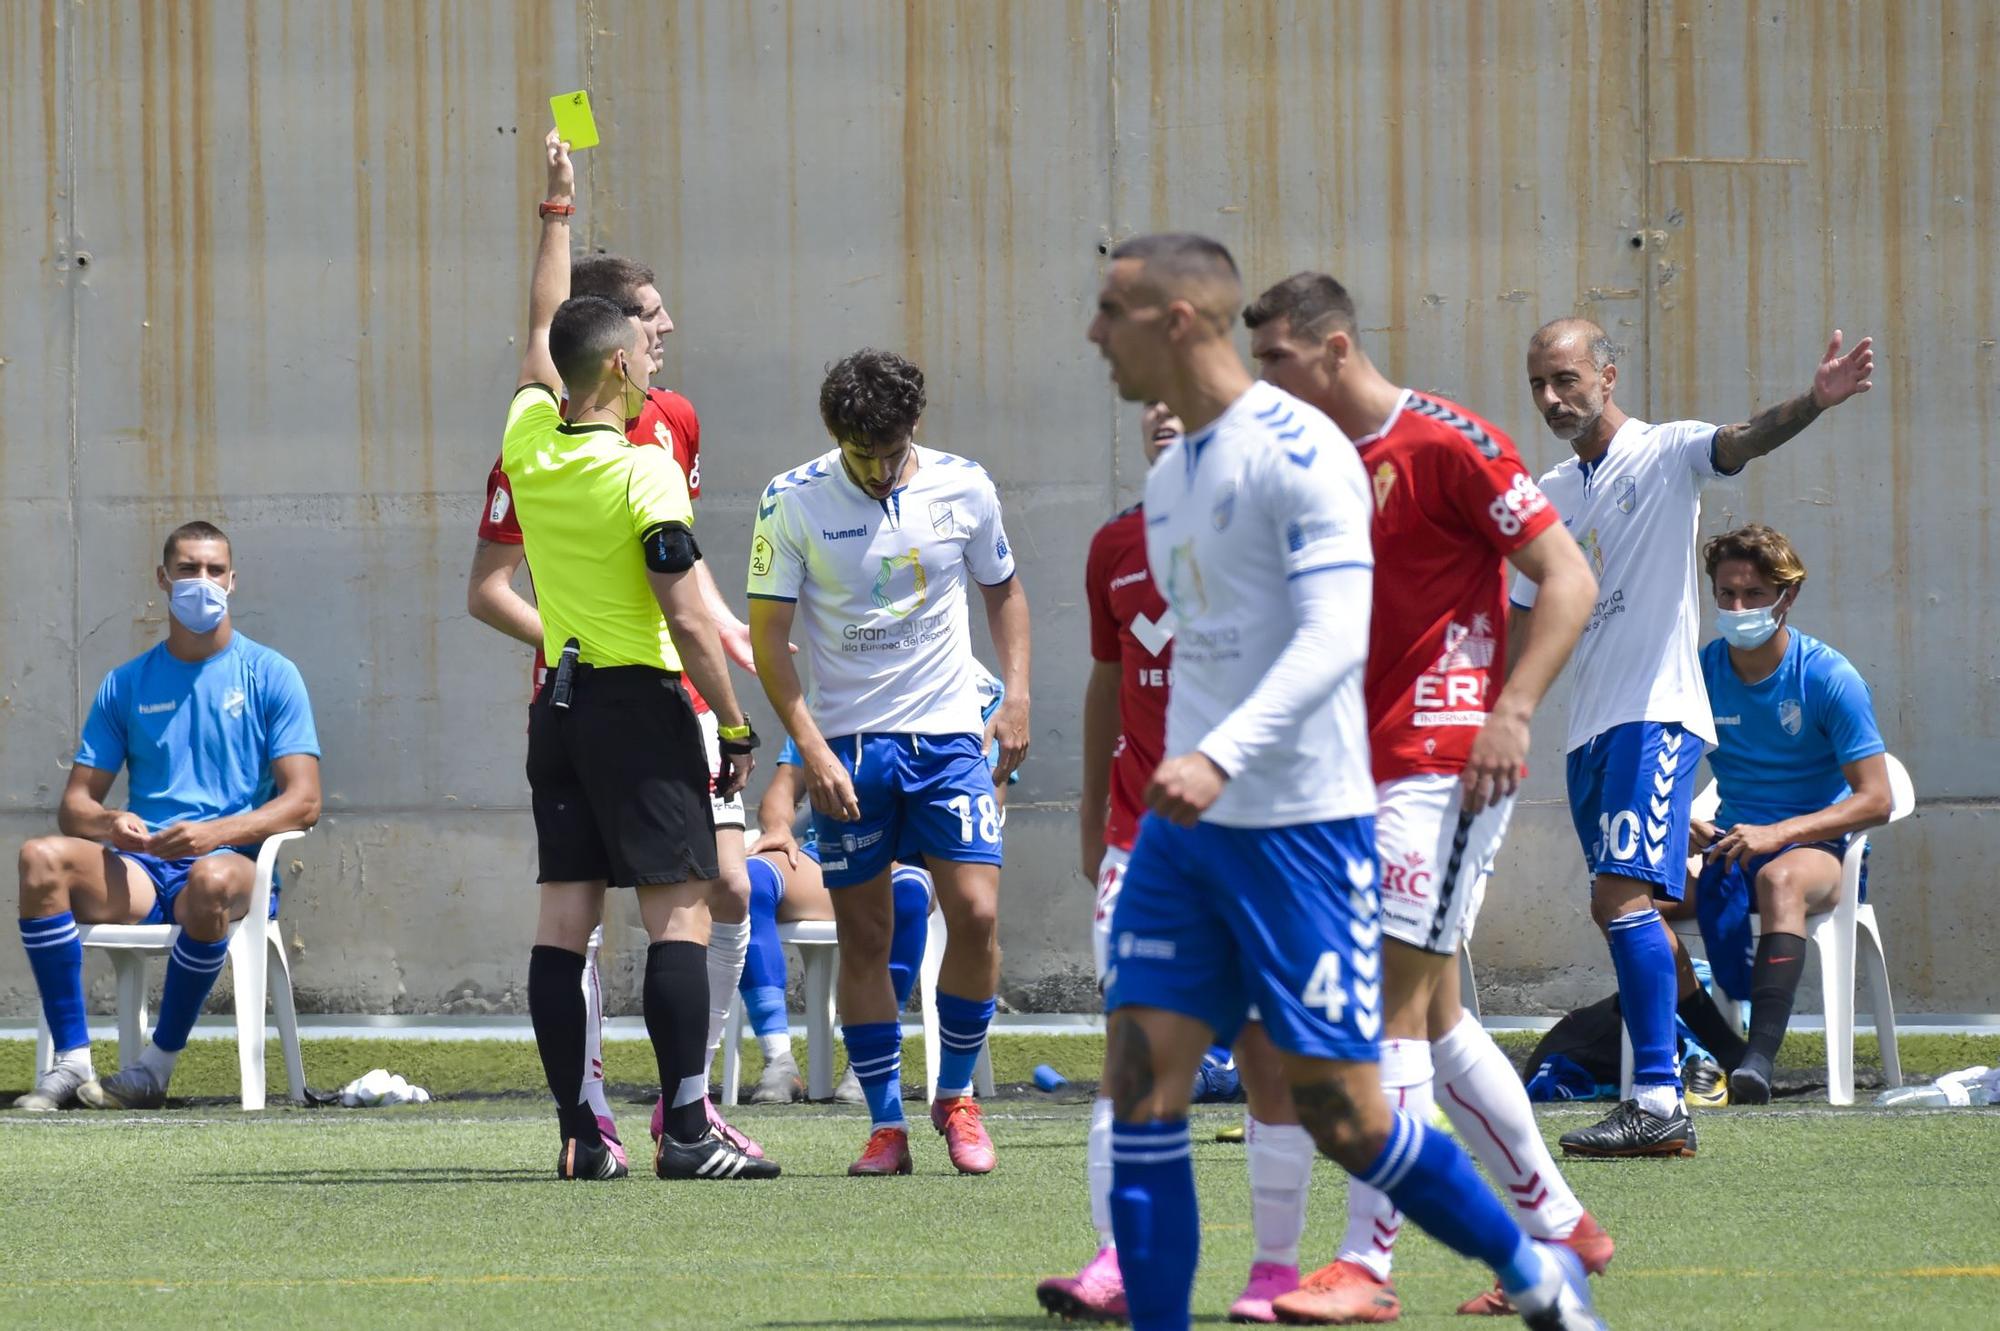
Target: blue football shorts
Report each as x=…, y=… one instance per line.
x=1630, y=789
x=1214, y=920
x=920, y=795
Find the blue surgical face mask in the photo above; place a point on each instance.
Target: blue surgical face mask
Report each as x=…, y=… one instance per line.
x=1748, y=628
x=198, y=604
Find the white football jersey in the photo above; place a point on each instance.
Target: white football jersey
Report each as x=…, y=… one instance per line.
x=1269, y=492
x=880, y=585
x=1636, y=512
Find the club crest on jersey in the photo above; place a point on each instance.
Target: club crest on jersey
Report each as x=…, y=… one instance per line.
x=1225, y=505
x=1184, y=592
x=662, y=435
x=893, y=593
x=1791, y=716
x=1625, y=493
x=1385, y=481
x=941, y=518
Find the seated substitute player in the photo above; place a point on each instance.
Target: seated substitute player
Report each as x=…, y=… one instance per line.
x=1638, y=715
x=1253, y=880
x=616, y=765
x=1799, y=765
x=876, y=541
x=1448, y=731
x=666, y=420
x=216, y=734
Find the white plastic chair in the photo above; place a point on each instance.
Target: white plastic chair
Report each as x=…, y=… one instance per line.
x=1843, y=935
x=253, y=941
x=1468, y=987
x=819, y=951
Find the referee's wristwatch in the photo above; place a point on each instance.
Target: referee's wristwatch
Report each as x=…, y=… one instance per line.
x=736, y=739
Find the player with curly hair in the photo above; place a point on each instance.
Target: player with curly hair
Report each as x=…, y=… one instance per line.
x=875, y=542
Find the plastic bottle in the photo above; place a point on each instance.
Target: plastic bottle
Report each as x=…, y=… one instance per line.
x=1048, y=1078
x=1953, y=1090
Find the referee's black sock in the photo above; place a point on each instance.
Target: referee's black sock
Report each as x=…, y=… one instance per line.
x=556, y=1007
x=677, y=1021
x=1713, y=1029
x=1774, y=982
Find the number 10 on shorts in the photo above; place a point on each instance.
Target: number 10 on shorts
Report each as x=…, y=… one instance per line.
x=988, y=817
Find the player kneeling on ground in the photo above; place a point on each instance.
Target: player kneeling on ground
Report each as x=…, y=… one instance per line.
x=1800, y=767
x=216, y=734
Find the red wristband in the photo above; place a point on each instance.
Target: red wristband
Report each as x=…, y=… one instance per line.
x=550, y=208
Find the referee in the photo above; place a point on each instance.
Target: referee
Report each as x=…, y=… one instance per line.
x=615, y=756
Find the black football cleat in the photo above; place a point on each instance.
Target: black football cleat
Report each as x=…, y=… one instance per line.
x=1631, y=1131
x=710, y=1157
x=583, y=1160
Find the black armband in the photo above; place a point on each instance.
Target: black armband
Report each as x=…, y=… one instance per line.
x=669, y=548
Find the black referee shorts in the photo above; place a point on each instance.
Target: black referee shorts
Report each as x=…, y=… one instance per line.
x=620, y=781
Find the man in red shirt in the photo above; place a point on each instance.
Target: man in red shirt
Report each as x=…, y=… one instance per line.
x=667, y=420
x=1448, y=730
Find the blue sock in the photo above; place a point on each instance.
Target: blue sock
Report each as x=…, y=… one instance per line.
x=1647, y=989
x=911, y=888
x=764, y=962
x=192, y=966
x=1156, y=1219
x=962, y=1024
x=55, y=954
x=875, y=1051
x=765, y=1006
x=1432, y=1181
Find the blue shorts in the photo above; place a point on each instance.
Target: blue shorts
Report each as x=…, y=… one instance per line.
x=1726, y=898
x=1630, y=790
x=170, y=876
x=1212, y=920
x=928, y=795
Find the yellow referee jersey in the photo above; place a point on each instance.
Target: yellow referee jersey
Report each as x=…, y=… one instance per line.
x=584, y=497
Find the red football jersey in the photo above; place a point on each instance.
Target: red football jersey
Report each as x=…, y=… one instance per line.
x=1452, y=501
x=1131, y=625
x=667, y=420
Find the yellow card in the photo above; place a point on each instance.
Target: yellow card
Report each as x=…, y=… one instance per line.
x=574, y=122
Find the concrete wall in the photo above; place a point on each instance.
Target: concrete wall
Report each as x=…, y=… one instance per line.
x=263, y=262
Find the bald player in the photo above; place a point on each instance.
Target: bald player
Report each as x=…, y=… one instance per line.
x=1253, y=882
x=1638, y=717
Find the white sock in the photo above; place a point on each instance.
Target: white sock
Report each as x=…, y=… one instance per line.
x=1098, y=1155
x=1372, y=1219
x=1280, y=1156
x=1488, y=1107
x=161, y=1061
x=78, y=1060
x=776, y=1047
x=593, y=1029
x=728, y=944
x=1662, y=1101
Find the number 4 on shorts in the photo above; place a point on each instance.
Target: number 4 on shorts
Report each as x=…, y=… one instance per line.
x=1324, y=990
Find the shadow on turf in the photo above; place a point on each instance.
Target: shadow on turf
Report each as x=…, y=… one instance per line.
x=987, y=1320
x=348, y=1177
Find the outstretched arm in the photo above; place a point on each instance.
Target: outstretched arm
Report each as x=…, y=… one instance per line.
x=1837, y=379
x=550, y=285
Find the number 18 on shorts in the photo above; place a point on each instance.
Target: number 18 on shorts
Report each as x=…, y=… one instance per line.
x=1213, y=921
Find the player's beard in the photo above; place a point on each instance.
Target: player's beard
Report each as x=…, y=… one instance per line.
x=1578, y=426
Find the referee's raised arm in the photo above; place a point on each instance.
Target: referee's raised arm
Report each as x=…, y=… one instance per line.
x=550, y=284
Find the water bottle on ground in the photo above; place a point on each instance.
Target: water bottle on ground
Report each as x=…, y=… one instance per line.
x=1970, y=1086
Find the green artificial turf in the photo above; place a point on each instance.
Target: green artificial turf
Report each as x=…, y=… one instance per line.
x=500, y=1067
x=448, y=1215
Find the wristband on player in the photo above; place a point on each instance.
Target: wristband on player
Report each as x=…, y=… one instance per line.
x=550, y=208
